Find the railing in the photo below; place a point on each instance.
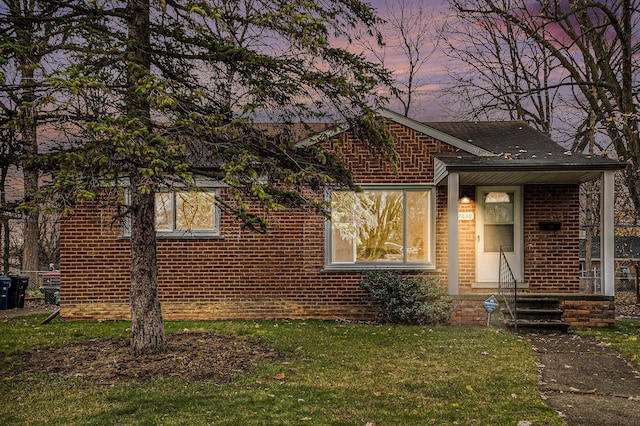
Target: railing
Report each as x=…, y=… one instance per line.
x=590, y=281
x=508, y=289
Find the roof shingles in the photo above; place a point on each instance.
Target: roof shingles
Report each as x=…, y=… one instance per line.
x=517, y=142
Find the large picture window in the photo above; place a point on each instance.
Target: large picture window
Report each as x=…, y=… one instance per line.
x=381, y=226
x=186, y=212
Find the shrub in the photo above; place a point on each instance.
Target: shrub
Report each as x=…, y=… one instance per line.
x=406, y=300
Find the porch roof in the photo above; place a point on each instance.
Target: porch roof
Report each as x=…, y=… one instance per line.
x=510, y=171
x=521, y=155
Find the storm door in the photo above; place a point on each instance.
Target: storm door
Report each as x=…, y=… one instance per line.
x=498, y=224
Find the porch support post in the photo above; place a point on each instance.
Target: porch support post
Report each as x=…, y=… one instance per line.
x=453, y=191
x=607, y=215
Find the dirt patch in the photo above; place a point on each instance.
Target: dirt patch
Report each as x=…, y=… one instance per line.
x=197, y=356
x=31, y=307
x=587, y=382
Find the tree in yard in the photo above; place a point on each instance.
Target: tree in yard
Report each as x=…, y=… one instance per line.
x=595, y=45
x=31, y=31
x=410, y=40
x=159, y=89
x=500, y=71
x=9, y=154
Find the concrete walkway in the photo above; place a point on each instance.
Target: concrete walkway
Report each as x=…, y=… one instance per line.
x=587, y=382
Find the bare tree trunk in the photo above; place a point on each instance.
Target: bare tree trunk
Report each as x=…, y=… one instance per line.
x=4, y=225
x=31, y=233
x=592, y=205
x=628, y=104
x=637, y=283
x=31, y=230
x=147, y=327
x=5, y=246
x=588, y=265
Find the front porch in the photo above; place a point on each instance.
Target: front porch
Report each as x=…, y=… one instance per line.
x=541, y=232
x=579, y=310
x=541, y=258
x=518, y=203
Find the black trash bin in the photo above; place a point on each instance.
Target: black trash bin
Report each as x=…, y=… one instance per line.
x=17, y=290
x=5, y=283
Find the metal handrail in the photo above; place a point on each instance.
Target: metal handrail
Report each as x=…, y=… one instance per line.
x=507, y=288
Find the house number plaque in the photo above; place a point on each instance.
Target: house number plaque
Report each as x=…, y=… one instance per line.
x=465, y=216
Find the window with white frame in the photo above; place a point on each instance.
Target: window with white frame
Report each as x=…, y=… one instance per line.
x=181, y=212
x=382, y=226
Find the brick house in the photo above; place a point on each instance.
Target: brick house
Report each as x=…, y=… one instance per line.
x=459, y=193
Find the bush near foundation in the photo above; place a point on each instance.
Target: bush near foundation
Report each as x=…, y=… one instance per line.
x=406, y=300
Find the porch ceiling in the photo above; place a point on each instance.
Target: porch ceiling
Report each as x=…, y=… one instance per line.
x=527, y=177
x=497, y=170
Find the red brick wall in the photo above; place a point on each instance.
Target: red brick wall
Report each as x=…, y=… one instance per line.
x=466, y=312
x=551, y=257
x=415, y=165
x=240, y=274
x=589, y=313
x=244, y=275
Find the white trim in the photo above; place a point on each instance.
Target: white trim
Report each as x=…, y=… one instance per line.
x=497, y=285
x=204, y=183
x=607, y=242
x=407, y=122
x=197, y=181
x=453, y=260
x=431, y=265
x=324, y=135
x=434, y=133
x=181, y=233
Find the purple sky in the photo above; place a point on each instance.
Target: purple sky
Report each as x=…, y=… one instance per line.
x=429, y=104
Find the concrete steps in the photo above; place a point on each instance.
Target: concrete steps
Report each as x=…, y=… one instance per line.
x=537, y=314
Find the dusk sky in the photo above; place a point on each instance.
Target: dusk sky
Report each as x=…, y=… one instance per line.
x=430, y=104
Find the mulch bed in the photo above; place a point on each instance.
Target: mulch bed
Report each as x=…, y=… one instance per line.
x=195, y=356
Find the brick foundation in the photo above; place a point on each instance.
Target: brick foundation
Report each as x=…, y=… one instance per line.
x=225, y=310
x=579, y=311
x=469, y=311
x=589, y=313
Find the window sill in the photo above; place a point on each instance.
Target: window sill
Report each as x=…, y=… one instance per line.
x=363, y=268
x=182, y=236
x=187, y=236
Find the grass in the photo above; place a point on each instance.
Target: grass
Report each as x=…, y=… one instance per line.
x=625, y=338
x=334, y=374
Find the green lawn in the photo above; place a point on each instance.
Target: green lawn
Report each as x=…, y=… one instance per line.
x=625, y=338
x=334, y=374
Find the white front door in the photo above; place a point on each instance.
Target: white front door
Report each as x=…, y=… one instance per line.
x=498, y=224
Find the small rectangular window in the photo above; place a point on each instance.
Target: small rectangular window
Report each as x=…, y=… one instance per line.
x=186, y=212
x=499, y=221
x=381, y=226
